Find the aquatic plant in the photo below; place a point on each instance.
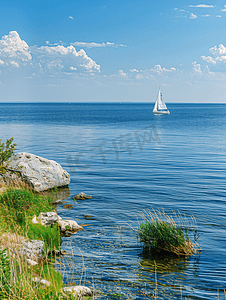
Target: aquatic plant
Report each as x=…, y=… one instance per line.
x=161, y=232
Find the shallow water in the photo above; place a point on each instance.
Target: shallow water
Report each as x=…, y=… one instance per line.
x=130, y=160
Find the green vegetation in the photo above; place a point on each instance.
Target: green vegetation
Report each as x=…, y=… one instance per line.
x=160, y=232
x=17, y=208
x=6, y=150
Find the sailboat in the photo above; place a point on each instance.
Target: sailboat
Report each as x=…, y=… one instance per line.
x=160, y=106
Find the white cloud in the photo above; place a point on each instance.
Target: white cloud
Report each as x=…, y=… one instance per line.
x=205, y=15
x=219, y=55
x=121, y=73
x=193, y=16
x=134, y=70
x=218, y=16
x=159, y=70
x=224, y=9
x=71, y=17
x=53, y=60
x=218, y=51
x=197, y=68
x=208, y=59
x=13, y=50
x=14, y=64
x=96, y=45
x=60, y=57
x=202, y=6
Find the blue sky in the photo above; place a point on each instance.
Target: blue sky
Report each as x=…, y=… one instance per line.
x=89, y=51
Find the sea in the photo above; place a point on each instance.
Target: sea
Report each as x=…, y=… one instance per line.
x=134, y=164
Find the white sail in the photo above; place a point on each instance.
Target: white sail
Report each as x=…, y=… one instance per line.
x=161, y=103
x=160, y=106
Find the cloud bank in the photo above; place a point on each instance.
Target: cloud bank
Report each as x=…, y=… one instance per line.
x=16, y=53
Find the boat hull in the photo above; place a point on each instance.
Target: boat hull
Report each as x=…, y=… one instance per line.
x=161, y=112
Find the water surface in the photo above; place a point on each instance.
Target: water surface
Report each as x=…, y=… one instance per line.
x=130, y=160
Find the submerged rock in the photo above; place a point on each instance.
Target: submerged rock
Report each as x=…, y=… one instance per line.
x=82, y=196
x=39, y=173
x=78, y=290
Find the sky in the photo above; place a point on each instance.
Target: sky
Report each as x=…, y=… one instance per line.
x=112, y=51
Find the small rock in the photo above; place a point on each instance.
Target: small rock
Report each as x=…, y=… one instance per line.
x=82, y=196
x=34, y=220
x=58, y=201
x=78, y=290
x=69, y=225
x=31, y=262
x=41, y=280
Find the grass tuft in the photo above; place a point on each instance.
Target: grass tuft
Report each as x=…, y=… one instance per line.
x=161, y=232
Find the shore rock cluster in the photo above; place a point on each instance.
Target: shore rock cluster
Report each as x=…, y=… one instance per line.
x=50, y=218
x=39, y=174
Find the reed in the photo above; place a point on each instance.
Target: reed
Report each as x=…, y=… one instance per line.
x=160, y=231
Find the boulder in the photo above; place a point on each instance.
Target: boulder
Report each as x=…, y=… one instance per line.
x=78, y=290
x=39, y=173
x=82, y=196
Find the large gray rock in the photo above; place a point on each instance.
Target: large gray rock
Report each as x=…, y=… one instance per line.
x=39, y=173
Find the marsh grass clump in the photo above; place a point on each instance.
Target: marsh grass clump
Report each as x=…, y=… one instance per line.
x=161, y=232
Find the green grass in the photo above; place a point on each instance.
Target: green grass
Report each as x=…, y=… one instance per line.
x=17, y=208
x=160, y=232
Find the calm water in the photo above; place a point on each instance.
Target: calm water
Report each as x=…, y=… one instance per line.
x=130, y=160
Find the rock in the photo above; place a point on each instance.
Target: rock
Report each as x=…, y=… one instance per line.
x=34, y=220
x=31, y=262
x=67, y=206
x=39, y=173
x=78, y=290
x=48, y=218
x=33, y=250
x=69, y=225
x=13, y=179
x=58, y=201
x=41, y=280
x=82, y=196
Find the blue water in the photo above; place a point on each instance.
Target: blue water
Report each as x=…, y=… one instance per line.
x=130, y=160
